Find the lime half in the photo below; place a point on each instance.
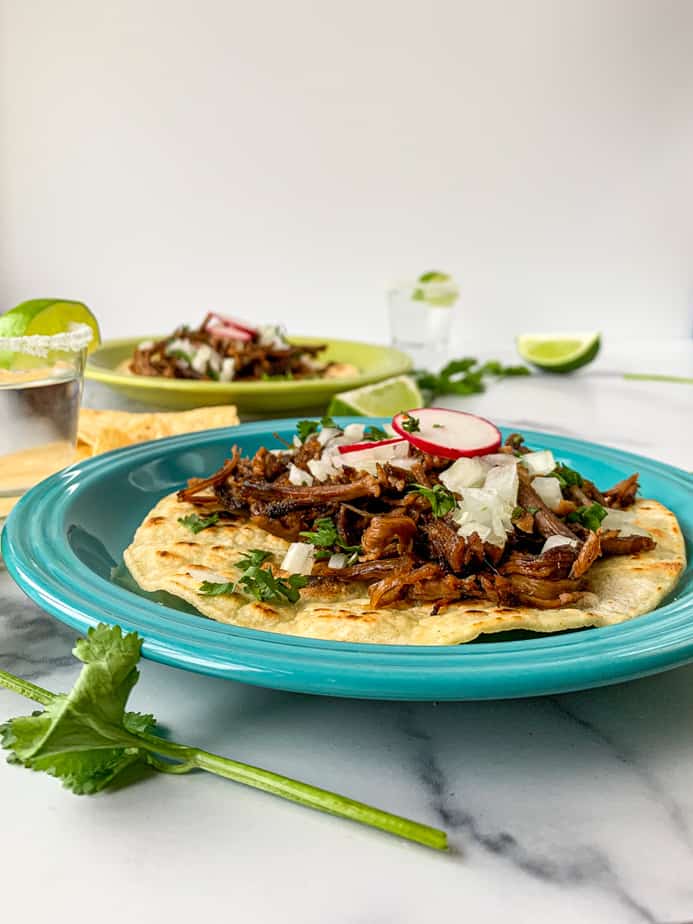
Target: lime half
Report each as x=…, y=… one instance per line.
x=48, y=316
x=380, y=400
x=559, y=352
x=437, y=289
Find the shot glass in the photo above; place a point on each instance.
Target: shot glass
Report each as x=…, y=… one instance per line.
x=420, y=316
x=41, y=380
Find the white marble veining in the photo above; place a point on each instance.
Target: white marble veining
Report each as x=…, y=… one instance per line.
x=576, y=808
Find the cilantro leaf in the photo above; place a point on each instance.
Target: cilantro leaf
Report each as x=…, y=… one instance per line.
x=196, y=524
x=566, y=476
x=325, y=536
x=329, y=422
x=253, y=558
x=441, y=500
x=87, y=739
x=464, y=376
x=590, y=517
x=374, y=433
x=306, y=428
x=411, y=424
x=257, y=582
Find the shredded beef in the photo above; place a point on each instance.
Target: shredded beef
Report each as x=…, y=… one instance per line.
x=622, y=494
x=613, y=544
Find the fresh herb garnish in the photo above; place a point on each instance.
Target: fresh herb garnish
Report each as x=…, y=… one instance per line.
x=566, y=476
x=258, y=582
x=306, y=428
x=411, y=424
x=440, y=499
x=324, y=535
x=196, y=524
x=590, y=517
x=180, y=354
x=463, y=377
x=86, y=739
x=518, y=513
x=374, y=433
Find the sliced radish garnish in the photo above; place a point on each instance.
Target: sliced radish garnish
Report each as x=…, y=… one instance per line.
x=356, y=447
x=451, y=434
x=222, y=326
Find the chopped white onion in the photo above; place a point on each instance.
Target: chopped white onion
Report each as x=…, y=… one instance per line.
x=353, y=433
x=539, y=463
x=297, y=443
x=622, y=520
x=201, y=358
x=180, y=345
x=553, y=541
x=503, y=479
x=498, y=458
x=299, y=476
x=549, y=490
x=480, y=507
x=299, y=558
x=338, y=560
x=228, y=369
x=204, y=574
x=327, y=433
x=324, y=468
x=272, y=336
x=145, y=345
x=463, y=473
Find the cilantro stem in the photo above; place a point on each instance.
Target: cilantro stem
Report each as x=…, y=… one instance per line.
x=640, y=376
x=26, y=688
x=187, y=758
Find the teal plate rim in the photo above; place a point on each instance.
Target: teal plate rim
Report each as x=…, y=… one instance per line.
x=41, y=560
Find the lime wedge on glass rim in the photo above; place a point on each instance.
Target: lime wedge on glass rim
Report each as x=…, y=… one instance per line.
x=383, y=399
x=47, y=316
x=559, y=352
x=437, y=289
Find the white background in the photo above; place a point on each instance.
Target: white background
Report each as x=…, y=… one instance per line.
x=286, y=160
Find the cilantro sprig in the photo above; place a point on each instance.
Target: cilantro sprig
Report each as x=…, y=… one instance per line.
x=88, y=740
x=374, y=433
x=590, y=517
x=410, y=424
x=441, y=500
x=196, y=523
x=464, y=377
x=306, y=428
x=567, y=476
x=258, y=582
x=325, y=537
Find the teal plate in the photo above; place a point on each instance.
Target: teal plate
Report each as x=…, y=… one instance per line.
x=64, y=540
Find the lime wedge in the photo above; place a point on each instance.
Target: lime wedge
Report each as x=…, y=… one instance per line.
x=48, y=316
x=437, y=289
x=380, y=400
x=559, y=352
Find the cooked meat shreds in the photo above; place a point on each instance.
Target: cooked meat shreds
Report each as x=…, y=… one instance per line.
x=383, y=533
x=613, y=544
x=623, y=493
x=402, y=548
x=547, y=522
x=227, y=351
x=589, y=552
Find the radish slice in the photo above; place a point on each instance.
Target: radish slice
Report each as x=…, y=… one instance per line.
x=226, y=321
x=230, y=332
x=447, y=433
x=355, y=447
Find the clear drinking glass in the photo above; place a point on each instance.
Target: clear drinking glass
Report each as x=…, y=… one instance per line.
x=41, y=380
x=421, y=318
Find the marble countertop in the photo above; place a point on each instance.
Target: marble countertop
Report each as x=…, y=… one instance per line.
x=573, y=808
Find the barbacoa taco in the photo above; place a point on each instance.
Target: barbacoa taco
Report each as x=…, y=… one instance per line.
x=357, y=535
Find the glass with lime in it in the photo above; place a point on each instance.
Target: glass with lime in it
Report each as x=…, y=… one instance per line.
x=421, y=314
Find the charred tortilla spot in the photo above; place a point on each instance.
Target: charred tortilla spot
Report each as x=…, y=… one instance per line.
x=155, y=521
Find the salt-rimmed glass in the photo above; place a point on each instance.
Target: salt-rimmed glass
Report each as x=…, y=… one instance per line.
x=41, y=379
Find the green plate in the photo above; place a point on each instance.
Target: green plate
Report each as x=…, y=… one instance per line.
x=269, y=397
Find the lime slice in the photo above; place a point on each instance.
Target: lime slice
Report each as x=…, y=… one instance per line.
x=437, y=289
x=380, y=400
x=559, y=352
x=48, y=316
